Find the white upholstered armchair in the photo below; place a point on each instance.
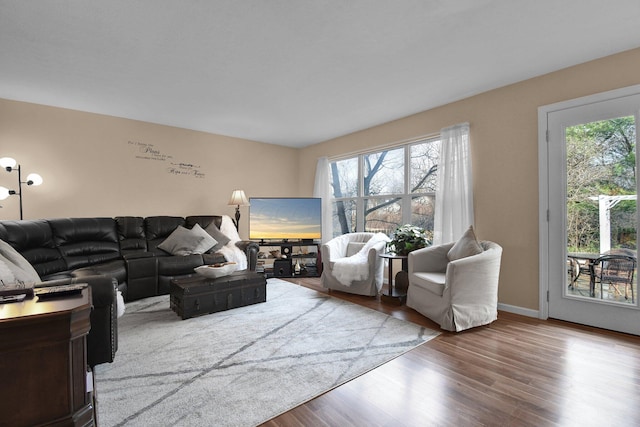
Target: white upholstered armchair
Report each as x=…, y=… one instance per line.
x=456, y=292
x=351, y=263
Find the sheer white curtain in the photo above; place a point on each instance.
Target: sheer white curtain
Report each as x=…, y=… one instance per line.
x=454, y=193
x=322, y=189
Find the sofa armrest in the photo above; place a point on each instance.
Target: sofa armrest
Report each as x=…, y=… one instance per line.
x=102, y=293
x=251, y=249
x=102, y=340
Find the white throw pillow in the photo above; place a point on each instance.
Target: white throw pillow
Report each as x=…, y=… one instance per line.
x=467, y=245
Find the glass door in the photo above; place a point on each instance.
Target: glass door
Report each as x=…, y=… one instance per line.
x=592, y=215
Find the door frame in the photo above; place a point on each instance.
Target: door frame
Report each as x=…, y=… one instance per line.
x=544, y=184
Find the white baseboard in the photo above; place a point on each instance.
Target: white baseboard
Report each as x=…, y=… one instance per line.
x=518, y=310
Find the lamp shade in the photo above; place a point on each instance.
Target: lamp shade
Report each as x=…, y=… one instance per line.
x=8, y=162
x=4, y=193
x=34, y=179
x=238, y=198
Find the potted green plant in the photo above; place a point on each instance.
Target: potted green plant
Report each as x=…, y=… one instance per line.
x=407, y=238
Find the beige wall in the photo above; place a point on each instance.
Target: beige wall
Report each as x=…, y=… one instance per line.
x=91, y=163
x=504, y=143
x=95, y=165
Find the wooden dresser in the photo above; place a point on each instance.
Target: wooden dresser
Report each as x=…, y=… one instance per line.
x=43, y=362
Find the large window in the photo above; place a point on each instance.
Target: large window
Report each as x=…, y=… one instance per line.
x=382, y=190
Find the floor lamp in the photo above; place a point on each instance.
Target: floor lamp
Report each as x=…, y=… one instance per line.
x=10, y=165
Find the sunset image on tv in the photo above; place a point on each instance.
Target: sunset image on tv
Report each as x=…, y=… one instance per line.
x=285, y=218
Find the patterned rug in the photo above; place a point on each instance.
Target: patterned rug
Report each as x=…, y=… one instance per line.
x=244, y=366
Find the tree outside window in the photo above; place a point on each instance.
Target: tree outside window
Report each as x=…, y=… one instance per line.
x=600, y=161
x=379, y=191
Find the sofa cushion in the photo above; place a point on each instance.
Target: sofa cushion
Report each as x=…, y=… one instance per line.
x=85, y=241
x=203, y=220
x=116, y=269
x=131, y=234
x=433, y=282
x=178, y=265
x=213, y=258
x=466, y=246
x=158, y=228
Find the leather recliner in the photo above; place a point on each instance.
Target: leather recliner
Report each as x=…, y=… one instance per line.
x=108, y=252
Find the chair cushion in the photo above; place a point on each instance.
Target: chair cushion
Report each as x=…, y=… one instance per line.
x=432, y=282
x=466, y=246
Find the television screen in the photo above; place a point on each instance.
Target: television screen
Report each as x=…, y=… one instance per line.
x=290, y=218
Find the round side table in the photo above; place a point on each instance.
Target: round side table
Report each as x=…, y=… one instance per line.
x=396, y=294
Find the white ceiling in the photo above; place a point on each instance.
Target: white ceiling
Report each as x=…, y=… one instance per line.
x=292, y=72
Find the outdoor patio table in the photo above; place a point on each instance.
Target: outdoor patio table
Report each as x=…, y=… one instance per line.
x=589, y=258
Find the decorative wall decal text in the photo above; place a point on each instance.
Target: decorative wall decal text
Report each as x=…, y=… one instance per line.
x=146, y=151
x=149, y=152
x=185, y=169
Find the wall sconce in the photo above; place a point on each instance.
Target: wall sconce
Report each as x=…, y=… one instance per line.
x=10, y=165
x=239, y=199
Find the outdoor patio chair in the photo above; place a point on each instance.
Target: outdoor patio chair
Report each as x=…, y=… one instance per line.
x=616, y=270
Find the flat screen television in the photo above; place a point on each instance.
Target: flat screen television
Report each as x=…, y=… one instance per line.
x=285, y=218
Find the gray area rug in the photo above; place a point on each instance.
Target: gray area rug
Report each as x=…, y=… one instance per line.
x=244, y=366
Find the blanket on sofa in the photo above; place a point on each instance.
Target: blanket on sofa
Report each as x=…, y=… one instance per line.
x=230, y=251
x=14, y=268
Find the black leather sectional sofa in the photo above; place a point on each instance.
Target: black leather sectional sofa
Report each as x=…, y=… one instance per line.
x=110, y=253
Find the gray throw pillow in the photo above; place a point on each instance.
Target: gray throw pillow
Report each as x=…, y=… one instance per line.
x=218, y=235
x=466, y=246
x=181, y=242
x=207, y=241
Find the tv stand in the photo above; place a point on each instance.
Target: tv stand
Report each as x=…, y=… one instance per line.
x=302, y=253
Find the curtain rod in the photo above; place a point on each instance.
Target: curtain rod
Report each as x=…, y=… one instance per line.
x=384, y=146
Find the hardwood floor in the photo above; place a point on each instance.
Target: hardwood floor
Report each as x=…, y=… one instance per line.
x=518, y=371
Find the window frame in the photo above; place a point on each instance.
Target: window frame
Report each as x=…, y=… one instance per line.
x=405, y=198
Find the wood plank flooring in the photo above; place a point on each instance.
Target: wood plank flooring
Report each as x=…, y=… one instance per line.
x=518, y=371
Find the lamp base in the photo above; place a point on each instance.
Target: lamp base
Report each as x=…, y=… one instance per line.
x=237, y=221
